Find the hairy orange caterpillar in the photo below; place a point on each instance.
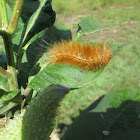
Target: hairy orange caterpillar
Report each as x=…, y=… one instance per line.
x=88, y=56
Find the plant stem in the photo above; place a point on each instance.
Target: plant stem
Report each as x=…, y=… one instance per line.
x=3, y=13
x=26, y=92
x=7, y=37
x=16, y=14
x=12, y=80
x=8, y=48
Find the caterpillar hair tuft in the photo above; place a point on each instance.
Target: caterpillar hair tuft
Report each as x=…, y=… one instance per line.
x=88, y=56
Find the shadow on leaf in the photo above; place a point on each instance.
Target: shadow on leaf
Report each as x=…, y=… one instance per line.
x=100, y=121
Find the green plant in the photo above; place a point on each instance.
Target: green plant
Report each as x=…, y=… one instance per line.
x=23, y=25
x=41, y=112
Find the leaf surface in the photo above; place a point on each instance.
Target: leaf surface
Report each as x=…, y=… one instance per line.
x=114, y=116
x=8, y=95
x=87, y=26
x=3, y=83
x=8, y=100
x=40, y=115
x=67, y=75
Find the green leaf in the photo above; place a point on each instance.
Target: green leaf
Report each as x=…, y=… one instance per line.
x=3, y=83
x=114, y=116
x=8, y=100
x=18, y=35
x=87, y=26
x=40, y=114
x=70, y=76
x=8, y=95
x=11, y=3
x=6, y=106
x=35, y=17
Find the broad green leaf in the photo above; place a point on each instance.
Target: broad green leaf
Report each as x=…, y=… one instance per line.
x=67, y=75
x=64, y=74
x=114, y=116
x=87, y=26
x=41, y=113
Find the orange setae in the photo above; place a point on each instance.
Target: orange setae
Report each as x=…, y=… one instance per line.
x=88, y=56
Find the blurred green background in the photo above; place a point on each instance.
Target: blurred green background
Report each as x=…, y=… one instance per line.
x=84, y=6
x=122, y=19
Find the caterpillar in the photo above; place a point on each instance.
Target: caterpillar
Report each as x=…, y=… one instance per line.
x=88, y=56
